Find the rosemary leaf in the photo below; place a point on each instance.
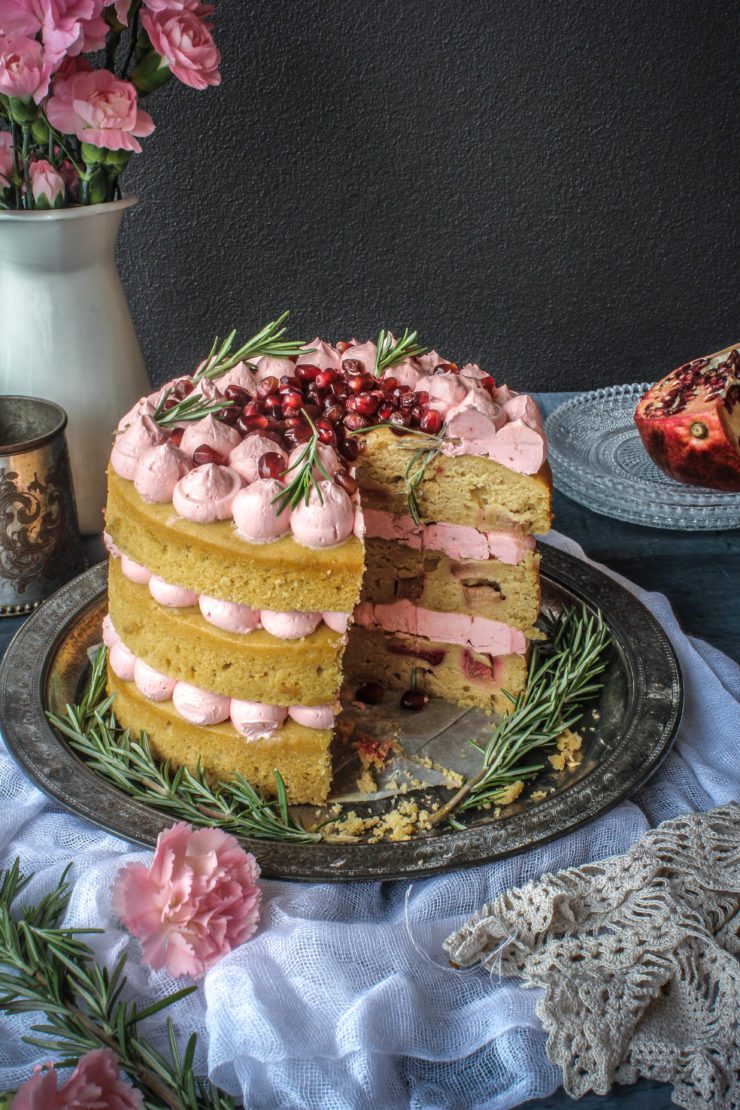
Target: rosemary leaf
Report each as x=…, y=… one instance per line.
x=390, y=353
x=267, y=341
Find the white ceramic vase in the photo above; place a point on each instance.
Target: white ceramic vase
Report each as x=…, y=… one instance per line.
x=66, y=332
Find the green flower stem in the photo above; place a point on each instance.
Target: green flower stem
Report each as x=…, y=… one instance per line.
x=26, y=171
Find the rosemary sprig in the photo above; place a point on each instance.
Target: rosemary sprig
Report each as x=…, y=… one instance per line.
x=390, y=353
x=193, y=407
x=50, y=970
x=563, y=676
x=267, y=341
x=129, y=764
x=299, y=487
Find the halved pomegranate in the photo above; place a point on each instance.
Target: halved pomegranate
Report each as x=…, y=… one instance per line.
x=690, y=421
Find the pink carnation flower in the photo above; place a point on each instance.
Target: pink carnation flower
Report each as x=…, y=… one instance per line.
x=186, y=45
x=24, y=71
x=99, y=109
x=6, y=158
x=95, y=1084
x=47, y=185
x=67, y=26
x=197, y=900
x=122, y=7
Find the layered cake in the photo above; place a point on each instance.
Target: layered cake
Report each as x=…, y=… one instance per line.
x=282, y=525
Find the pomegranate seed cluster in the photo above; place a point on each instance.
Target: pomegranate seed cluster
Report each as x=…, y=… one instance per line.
x=703, y=378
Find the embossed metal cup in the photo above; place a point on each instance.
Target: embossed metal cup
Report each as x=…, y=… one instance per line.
x=40, y=546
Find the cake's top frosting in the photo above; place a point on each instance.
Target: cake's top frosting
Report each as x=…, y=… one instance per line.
x=256, y=421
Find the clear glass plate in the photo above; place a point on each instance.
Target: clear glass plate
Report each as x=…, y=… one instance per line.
x=598, y=459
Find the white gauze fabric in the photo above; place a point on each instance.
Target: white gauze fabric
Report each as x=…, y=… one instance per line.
x=344, y=999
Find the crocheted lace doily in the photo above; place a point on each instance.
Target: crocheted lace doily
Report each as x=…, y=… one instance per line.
x=638, y=958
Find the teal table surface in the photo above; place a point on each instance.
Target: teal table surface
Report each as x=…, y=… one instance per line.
x=700, y=574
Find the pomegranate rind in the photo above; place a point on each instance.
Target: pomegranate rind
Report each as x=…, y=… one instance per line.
x=689, y=422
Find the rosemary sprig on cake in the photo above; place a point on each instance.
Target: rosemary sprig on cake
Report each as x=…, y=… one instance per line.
x=419, y=461
x=563, y=677
x=300, y=485
x=48, y=970
x=129, y=764
x=193, y=407
x=390, y=352
x=267, y=341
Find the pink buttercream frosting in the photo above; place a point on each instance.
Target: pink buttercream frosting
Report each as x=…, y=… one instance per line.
x=254, y=512
x=519, y=447
x=152, y=684
x=523, y=407
x=158, y=471
x=241, y=375
x=445, y=391
x=269, y=367
x=323, y=355
x=110, y=636
x=207, y=493
x=472, y=371
x=430, y=361
x=229, y=615
x=130, y=446
x=211, y=433
x=135, y=572
x=480, y=400
x=327, y=519
x=209, y=389
x=478, y=633
x=199, y=706
x=245, y=457
x=313, y=716
x=326, y=455
x=122, y=661
x=365, y=353
x=289, y=626
x=174, y=597
x=337, y=622
x=254, y=720
x=144, y=407
x=458, y=541
x=405, y=373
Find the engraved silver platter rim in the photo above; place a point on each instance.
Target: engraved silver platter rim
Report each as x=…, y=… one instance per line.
x=646, y=676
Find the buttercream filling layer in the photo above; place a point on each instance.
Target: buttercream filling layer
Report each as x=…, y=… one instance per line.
x=228, y=615
x=253, y=720
x=478, y=633
x=455, y=540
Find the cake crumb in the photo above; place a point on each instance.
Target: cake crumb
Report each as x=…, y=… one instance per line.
x=374, y=753
x=568, y=753
x=366, y=784
x=538, y=795
x=509, y=793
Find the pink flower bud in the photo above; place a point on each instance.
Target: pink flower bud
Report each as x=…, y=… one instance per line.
x=47, y=185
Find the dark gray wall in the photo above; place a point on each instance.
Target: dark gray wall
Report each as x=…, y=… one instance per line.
x=548, y=188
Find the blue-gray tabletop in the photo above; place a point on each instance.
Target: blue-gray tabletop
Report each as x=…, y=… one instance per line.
x=700, y=574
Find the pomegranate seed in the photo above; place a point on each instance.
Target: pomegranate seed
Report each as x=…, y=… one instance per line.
x=344, y=479
x=294, y=436
x=340, y=392
x=422, y=397
x=414, y=700
x=333, y=413
x=443, y=368
x=292, y=402
x=273, y=404
x=183, y=388
x=399, y=391
x=358, y=383
x=385, y=411
x=267, y=386
x=291, y=380
x=431, y=421
x=371, y=693
x=353, y=421
x=350, y=449
x=399, y=419
x=407, y=401
x=229, y=416
x=312, y=410
x=254, y=423
x=294, y=421
x=270, y=465
x=487, y=383
x=417, y=412
x=352, y=365
x=315, y=397
x=327, y=434
x=324, y=378
x=253, y=408
x=389, y=384
x=307, y=373
x=366, y=403
x=237, y=393
x=176, y=436
x=342, y=346
x=169, y=403
x=206, y=454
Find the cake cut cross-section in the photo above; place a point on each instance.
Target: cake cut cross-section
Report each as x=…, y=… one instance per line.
x=281, y=528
